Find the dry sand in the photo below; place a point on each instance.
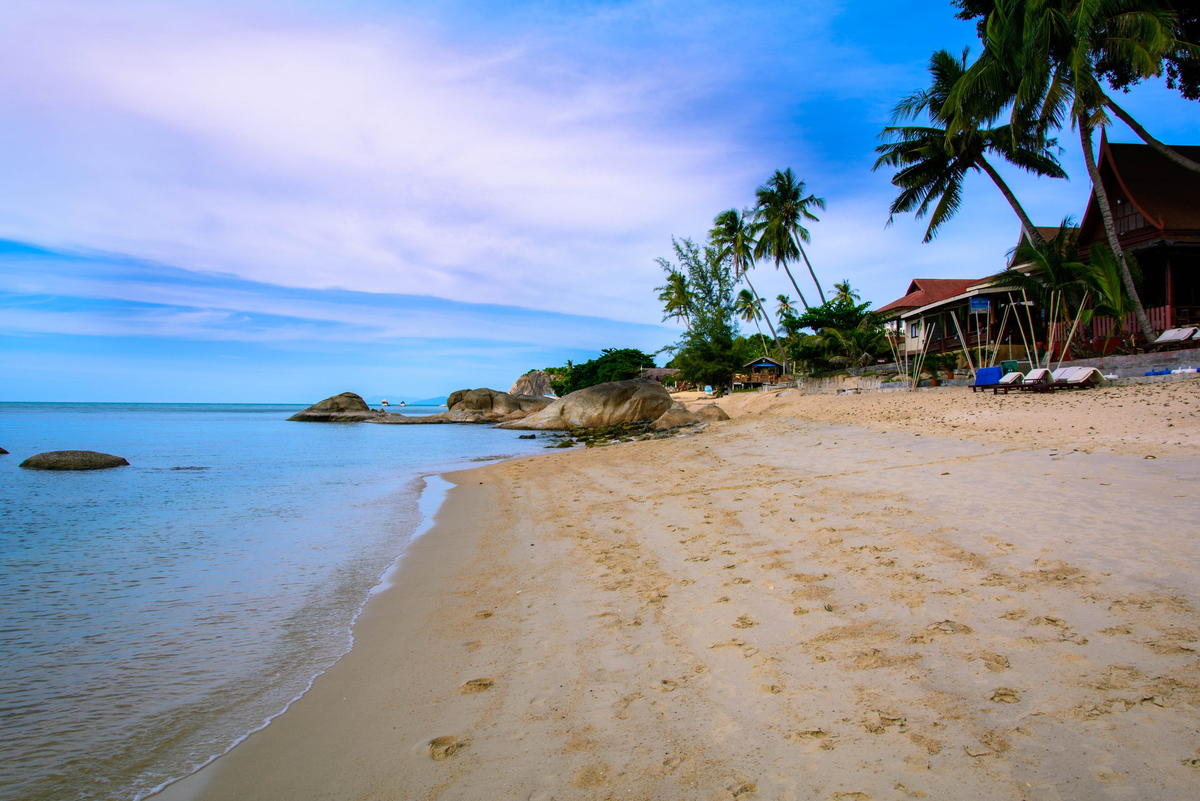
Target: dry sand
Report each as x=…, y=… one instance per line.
x=786, y=606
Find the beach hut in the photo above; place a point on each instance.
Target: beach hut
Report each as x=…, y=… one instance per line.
x=763, y=371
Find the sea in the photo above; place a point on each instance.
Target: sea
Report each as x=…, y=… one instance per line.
x=152, y=616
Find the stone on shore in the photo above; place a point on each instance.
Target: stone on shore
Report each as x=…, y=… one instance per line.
x=711, y=413
x=675, y=417
x=490, y=406
x=535, y=383
x=344, y=408
x=73, y=460
x=614, y=403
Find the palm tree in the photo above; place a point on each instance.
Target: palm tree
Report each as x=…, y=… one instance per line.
x=1102, y=277
x=784, y=306
x=1050, y=52
x=845, y=293
x=746, y=307
x=782, y=205
x=675, y=295
x=932, y=161
x=734, y=240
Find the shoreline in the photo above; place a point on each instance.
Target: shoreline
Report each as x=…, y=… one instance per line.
x=788, y=606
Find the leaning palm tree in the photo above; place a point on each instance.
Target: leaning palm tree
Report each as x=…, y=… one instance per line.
x=933, y=160
x=676, y=296
x=1053, y=54
x=735, y=241
x=782, y=207
x=746, y=307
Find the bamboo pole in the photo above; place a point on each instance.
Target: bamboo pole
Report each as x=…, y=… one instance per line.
x=1037, y=360
x=1070, y=336
x=999, y=336
x=966, y=351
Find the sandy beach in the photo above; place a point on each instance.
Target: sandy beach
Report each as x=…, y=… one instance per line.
x=919, y=595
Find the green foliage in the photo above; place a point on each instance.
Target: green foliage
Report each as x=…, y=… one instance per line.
x=613, y=364
x=707, y=353
x=840, y=313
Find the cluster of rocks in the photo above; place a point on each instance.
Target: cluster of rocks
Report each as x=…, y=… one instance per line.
x=618, y=403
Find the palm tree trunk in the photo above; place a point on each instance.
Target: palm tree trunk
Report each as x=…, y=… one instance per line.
x=1110, y=229
x=1157, y=146
x=810, y=272
x=792, y=278
x=1031, y=231
x=767, y=317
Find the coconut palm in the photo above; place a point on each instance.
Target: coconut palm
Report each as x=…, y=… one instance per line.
x=734, y=240
x=1053, y=54
x=746, y=308
x=675, y=295
x=845, y=293
x=784, y=306
x=932, y=161
x=782, y=207
x=1102, y=277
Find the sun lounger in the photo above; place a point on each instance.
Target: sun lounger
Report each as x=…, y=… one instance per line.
x=1012, y=378
x=1038, y=379
x=1082, y=377
x=987, y=378
x=1175, y=336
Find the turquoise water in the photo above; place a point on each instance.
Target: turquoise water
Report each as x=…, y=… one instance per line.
x=153, y=615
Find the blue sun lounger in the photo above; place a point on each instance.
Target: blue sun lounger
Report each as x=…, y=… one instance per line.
x=987, y=378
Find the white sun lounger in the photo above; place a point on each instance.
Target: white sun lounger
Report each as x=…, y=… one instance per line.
x=1084, y=377
x=1060, y=375
x=1038, y=375
x=1174, y=336
x=1012, y=378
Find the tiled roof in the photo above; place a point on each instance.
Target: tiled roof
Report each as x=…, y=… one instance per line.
x=923, y=291
x=1167, y=195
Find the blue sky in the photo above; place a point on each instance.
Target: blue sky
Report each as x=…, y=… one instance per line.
x=267, y=201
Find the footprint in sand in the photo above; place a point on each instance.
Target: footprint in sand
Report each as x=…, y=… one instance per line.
x=995, y=662
x=477, y=686
x=484, y=614
x=1005, y=695
x=441, y=748
x=744, y=622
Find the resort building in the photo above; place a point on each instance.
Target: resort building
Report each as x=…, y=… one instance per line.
x=1156, y=208
x=763, y=371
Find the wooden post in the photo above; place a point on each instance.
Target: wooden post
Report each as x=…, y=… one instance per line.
x=1170, y=295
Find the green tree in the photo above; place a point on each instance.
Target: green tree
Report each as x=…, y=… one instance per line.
x=746, y=308
x=613, y=364
x=1102, y=277
x=778, y=222
x=731, y=234
x=932, y=161
x=675, y=295
x=707, y=353
x=844, y=292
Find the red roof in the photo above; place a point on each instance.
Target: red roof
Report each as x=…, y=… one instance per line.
x=923, y=291
x=1167, y=195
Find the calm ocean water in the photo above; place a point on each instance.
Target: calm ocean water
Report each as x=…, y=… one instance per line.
x=153, y=615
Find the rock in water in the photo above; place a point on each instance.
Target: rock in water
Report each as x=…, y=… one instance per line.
x=632, y=401
x=2, y=451
x=535, y=383
x=344, y=408
x=73, y=460
x=712, y=413
x=675, y=417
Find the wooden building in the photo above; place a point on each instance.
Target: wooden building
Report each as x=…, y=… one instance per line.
x=763, y=371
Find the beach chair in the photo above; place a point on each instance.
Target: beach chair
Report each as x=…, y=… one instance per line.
x=1039, y=379
x=1008, y=381
x=987, y=378
x=1083, y=377
x=1175, y=336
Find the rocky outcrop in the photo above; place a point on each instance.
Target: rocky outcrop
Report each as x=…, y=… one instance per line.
x=535, y=383
x=636, y=400
x=711, y=413
x=3, y=452
x=490, y=406
x=73, y=460
x=675, y=417
x=344, y=408
x=474, y=406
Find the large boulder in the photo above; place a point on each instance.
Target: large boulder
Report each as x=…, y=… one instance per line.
x=675, y=417
x=712, y=413
x=633, y=401
x=73, y=460
x=490, y=406
x=3, y=452
x=535, y=383
x=344, y=408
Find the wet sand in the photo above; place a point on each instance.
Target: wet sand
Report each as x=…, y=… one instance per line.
x=785, y=607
